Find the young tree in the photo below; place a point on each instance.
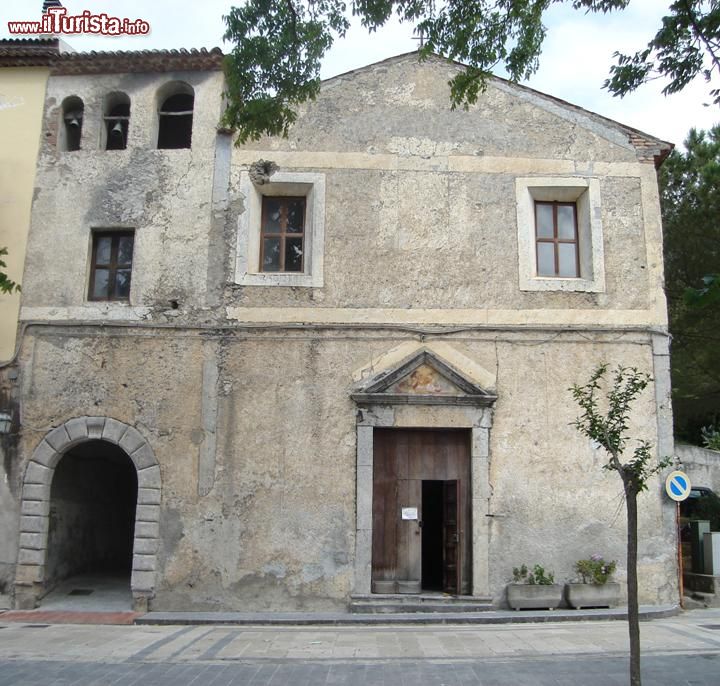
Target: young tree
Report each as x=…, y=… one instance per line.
x=7, y=285
x=279, y=45
x=605, y=420
x=690, y=202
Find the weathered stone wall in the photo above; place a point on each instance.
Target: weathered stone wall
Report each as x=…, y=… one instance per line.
x=243, y=392
x=276, y=528
x=164, y=195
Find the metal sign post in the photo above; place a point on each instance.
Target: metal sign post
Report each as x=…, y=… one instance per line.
x=677, y=486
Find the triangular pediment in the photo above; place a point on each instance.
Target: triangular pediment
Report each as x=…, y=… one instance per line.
x=424, y=378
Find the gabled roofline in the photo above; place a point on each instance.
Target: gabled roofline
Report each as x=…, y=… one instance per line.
x=647, y=146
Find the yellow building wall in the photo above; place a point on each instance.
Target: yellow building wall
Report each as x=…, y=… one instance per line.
x=22, y=96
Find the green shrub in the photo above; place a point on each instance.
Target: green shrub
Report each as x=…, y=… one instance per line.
x=595, y=570
x=538, y=576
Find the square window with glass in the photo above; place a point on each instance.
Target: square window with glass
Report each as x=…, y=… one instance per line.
x=556, y=239
x=282, y=234
x=111, y=266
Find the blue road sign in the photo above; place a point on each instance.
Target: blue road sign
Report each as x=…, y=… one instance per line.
x=677, y=486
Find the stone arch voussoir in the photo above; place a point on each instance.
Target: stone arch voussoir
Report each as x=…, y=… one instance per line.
x=35, y=503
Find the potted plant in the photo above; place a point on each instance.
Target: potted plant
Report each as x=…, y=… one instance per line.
x=594, y=589
x=533, y=590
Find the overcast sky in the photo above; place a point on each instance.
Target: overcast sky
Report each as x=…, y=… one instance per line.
x=576, y=56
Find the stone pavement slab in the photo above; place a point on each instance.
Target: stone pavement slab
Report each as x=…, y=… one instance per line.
x=594, y=671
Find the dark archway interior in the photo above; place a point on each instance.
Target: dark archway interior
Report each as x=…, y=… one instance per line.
x=92, y=512
x=176, y=118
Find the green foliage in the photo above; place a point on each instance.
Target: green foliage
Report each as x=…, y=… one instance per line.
x=595, y=570
x=690, y=203
x=708, y=508
x=608, y=425
x=538, y=576
x=7, y=285
x=710, y=437
x=687, y=45
x=708, y=294
x=278, y=47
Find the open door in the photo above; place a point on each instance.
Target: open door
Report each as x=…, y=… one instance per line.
x=451, y=536
x=421, y=510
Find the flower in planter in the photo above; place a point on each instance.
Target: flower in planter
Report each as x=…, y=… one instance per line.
x=538, y=576
x=595, y=570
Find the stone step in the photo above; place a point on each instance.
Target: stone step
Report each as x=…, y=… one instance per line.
x=380, y=603
x=707, y=599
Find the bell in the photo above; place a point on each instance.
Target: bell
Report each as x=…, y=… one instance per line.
x=74, y=122
x=117, y=129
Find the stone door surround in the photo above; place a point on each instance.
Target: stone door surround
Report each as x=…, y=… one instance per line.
x=35, y=505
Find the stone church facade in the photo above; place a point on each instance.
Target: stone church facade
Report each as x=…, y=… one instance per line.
x=281, y=375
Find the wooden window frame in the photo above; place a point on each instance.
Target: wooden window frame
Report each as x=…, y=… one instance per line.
x=111, y=266
x=283, y=234
x=555, y=241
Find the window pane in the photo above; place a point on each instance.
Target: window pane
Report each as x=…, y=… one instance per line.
x=125, y=250
x=293, y=254
x=271, y=255
x=100, y=285
x=566, y=221
x=122, y=283
x=546, y=259
x=273, y=213
x=103, y=250
x=295, y=215
x=567, y=258
x=544, y=219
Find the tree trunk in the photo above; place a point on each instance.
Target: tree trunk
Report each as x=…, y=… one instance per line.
x=632, y=582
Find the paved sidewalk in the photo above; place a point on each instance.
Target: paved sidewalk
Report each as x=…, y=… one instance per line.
x=683, y=649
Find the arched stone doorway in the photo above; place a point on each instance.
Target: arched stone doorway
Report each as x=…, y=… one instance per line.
x=34, y=566
x=93, y=497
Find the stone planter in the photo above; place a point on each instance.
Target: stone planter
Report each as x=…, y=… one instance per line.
x=534, y=596
x=593, y=595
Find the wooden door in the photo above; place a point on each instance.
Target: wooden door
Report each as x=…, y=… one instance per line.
x=402, y=460
x=452, y=550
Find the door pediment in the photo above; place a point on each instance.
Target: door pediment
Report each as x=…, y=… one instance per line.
x=422, y=379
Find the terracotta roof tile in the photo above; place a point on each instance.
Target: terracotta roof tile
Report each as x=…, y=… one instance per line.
x=45, y=52
x=138, y=61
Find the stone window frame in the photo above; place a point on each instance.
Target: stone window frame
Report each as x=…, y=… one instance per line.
x=35, y=505
x=311, y=186
x=585, y=193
